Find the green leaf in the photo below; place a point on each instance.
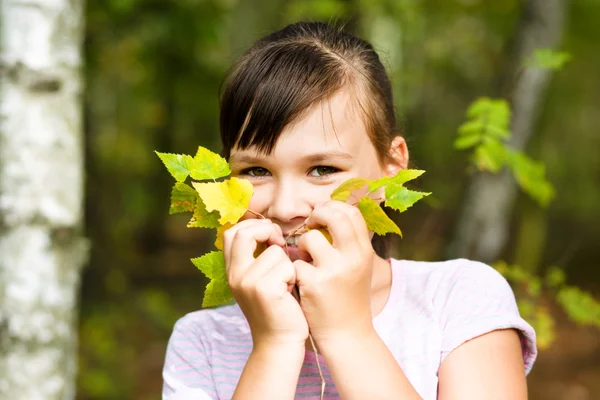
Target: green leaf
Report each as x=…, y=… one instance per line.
x=531, y=177
x=466, y=141
x=580, y=306
x=400, y=178
x=202, y=218
x=217, y=291
x=548, y=59
x=183, y=198
x=555, y=277
x=178, y=165
x=230, y=198
x=490, y=155
x=343, y=192
x=208, y=165
x=400, y=198
x=376, y=219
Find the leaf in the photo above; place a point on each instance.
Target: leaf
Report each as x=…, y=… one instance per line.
x=183, y=198
x=466, y=141
x=580, y=306
x=376, y=219
x=400, y=178
x=208, y=165
x=343, y=192
x=220, y=232
x=490, y=156
x=213, y=266
x=555, y=277
x=178, y=165
x=400, y=198
x=548, y=59
x=202, y=218
x=230, y=198
x=531, y=177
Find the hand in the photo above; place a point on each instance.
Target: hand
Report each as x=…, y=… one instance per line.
x=335, y=291
x=262, y=286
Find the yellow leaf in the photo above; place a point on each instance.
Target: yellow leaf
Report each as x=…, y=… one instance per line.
x=343, y=192
x=376, y=219
x=220, y=233
x=230, y=198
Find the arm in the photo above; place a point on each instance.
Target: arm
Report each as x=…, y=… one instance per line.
x=271, y=373
x=489, y=367
x=362, y=367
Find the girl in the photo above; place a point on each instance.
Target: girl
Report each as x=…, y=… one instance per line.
x=303, y=110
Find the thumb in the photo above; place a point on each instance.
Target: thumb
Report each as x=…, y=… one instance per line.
x=305, y=274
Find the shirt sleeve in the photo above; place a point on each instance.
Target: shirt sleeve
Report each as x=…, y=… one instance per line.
x=479, y=300
x=187, y=370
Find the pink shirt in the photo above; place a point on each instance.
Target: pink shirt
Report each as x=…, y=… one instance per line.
x=432, y=309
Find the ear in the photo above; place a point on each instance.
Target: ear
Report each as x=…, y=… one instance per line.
x=398, y=156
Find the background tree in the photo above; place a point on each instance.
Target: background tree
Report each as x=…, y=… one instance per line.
x=41, y=197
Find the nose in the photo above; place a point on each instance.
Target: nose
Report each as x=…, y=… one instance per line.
x=289, y=203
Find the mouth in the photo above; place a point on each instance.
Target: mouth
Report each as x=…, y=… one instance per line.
x=292, y=240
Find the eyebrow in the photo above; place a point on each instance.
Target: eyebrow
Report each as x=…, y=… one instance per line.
x=310, y=158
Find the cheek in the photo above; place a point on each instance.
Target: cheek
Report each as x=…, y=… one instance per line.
x=259, y=201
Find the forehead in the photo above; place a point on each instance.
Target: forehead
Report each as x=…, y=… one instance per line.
x=334, y=125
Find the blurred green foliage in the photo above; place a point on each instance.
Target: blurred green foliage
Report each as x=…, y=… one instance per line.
x=153, y=72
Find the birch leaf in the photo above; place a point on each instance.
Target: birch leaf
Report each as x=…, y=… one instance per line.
x=230, y=198
x=178, y=165
x=400, y=198
x=183, y=198
x=213, y=266
x=376, y=219
x=343, y=192
x=220, y=233
x=208, y=165
x=400, y=178
x=202, y=218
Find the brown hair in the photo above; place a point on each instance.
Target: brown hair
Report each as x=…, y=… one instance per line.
x=287, y=72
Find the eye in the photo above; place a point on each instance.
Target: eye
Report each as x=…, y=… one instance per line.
x=322, y=170
x=257, y=172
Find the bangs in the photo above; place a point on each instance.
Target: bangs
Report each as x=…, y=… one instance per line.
x=272, y=88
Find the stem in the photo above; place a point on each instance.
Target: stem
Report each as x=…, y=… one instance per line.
x=259, y=215
x=313, y=345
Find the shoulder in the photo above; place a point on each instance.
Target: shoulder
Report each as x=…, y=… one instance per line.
x=204, y=324
x=468, y=298
x=436, y=280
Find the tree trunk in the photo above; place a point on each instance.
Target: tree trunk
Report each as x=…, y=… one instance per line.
x=483, y=226
x=41, y=192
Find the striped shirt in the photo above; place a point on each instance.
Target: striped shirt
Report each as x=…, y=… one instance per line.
x=433, y=308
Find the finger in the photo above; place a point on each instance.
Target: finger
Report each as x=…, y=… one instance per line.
x=268, y=259
x=229, y=234
x=305, y=275
x=356, y=217
x=280, y=277
x=244, y=241
x=337, y=222
x=314, y=243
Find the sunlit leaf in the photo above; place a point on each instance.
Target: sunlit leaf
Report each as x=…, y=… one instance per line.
x=400, y=178
x=178, y=165
x=208, y=165
x=220, y=232
x=343, y=192
x=376, y=219
x=531, y=176
x=183, y=198
x=202, y=218
x=400, y=198
x=230, y=198
x=555, y=277
x=213, y=266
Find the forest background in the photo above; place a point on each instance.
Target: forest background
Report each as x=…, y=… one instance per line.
x=152, y=72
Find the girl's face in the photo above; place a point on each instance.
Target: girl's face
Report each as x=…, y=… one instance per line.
x=310, y=159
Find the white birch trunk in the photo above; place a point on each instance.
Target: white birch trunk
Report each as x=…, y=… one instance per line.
x=483, y=227
x=41, y=193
